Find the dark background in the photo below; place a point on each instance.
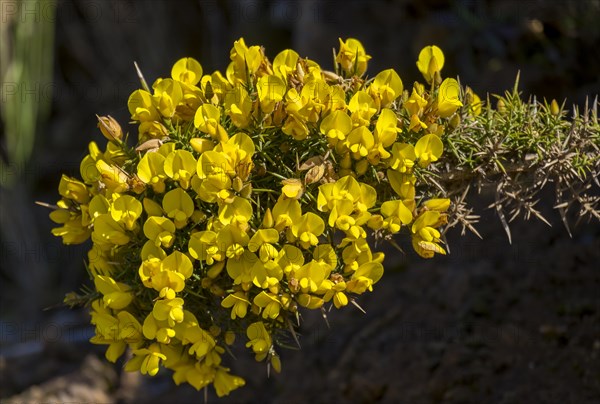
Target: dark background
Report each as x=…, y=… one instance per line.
x=492, y=322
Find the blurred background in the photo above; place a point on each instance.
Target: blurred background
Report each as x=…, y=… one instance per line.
x=490, y=322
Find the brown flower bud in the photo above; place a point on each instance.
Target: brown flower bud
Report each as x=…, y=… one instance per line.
x=110, y=128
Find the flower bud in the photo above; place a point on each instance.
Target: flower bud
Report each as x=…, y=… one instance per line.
x=246, y=191
x=201, y=145
x=229, y=337
x=375, y=222
x=217, y=290
x=110, y=128
x=501, y=106
x=554, y=108
x=362, y=167
x=346, y=161
x=454, y=121
x=276, y=363
x=268, y=221
x=238, y=184
x=214, y=330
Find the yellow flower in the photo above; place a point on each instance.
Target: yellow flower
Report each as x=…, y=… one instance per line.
x=437, y=204
x=116, y=332
x=336, y=126
x=415, y=103
x=72, y=231
x=290, y=258
x=203, y=246
x=215, y=87
x=396, y=214
x=431, y=61
x=334, y=198
x=244, y=59
x=179, y=206
x=239, y=150
x=187, y=70
x=310, y=276
x=146, y=360
x=262, y=241
x=160, y=230
x=168, y=274
x=106, y=334
x=448, y=101
x=295, y=127
x=167, y=94
x=365, y=277
x=416, y=124
x=151, y=207
x=202, y=342
x=207, y=120
x=157, y=330
x=428, y=149
x=271, y=90
x=238, y=106
x=352, y=57
x=267, y=274
x=285, y=63
x=108, y=231
x=201, y=145
x=403, y=184
x=315, y=99
x=286, y=212
x=292, y=188
x=99, y=261
x=310, y=301
x=259, y=339
x=240, y=267
x=360, y=141
x=141, y=106
x=126, y=210
x=238, y=212
x=269, y=303
x=170, y=310
x=73, y=189
x=335, y=291
x=308, y=229
x=180, y=165
x=150, y=170
x=363, y=107
x=87, y=168
x=214, y=171
x=386, y=133
x=474, y=102
x=225, y=382
x=113, y=178
x=425, y=237
x=151, y=130
x=403, y=157
x=238, y=302
x=117, y=295
x=197, y=374
x=386, y=87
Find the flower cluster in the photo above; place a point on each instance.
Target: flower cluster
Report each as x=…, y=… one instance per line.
x=250, y=195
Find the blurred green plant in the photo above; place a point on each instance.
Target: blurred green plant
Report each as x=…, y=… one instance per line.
x=26, y=54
